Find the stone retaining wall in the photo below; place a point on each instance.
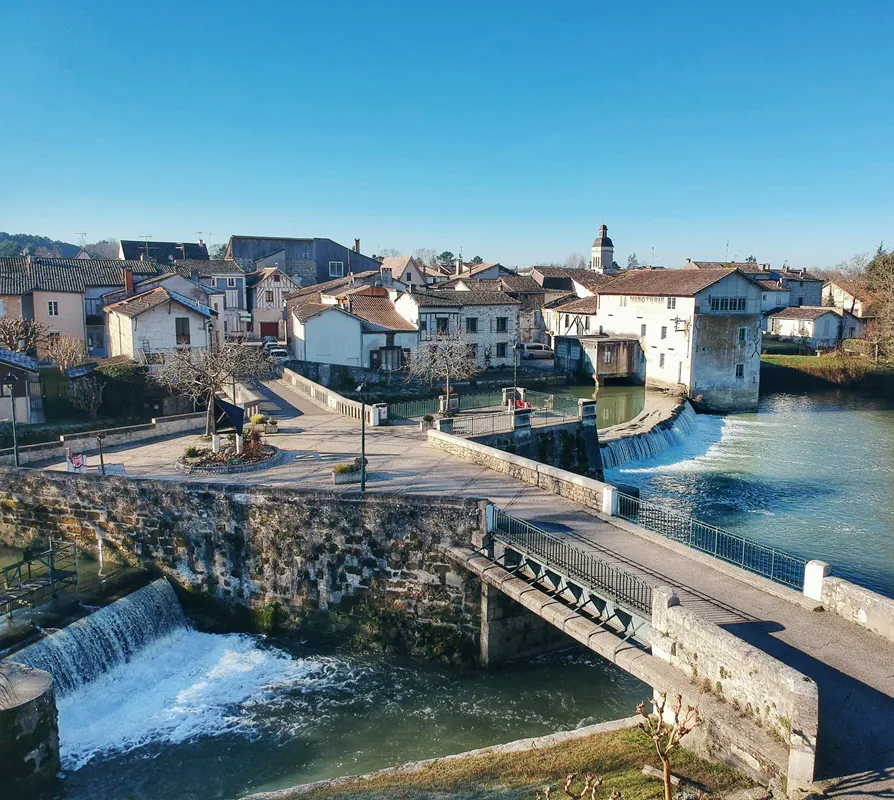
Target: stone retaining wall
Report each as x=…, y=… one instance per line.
x=857, y=604
x=372, y=567
x=584, y=491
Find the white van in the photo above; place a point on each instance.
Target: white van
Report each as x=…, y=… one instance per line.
x=533, y=350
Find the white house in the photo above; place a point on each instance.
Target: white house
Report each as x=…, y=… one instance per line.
x=699, y=330
x=268, y=289
x=488, y=319
x=854, y=300
x=404, y=269
x=815, y=326
x=158, y=320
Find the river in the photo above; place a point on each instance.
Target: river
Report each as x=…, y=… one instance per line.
x=811, y=474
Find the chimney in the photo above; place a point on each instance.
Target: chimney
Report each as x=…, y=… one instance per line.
x=356, y=245
x=458, y=267
x=128, y=280
x=194, y=275
x=201, y=242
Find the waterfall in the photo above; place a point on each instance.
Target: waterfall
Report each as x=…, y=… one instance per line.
x=86, y=648
x=643, y=446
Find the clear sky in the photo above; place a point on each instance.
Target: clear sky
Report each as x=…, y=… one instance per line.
x=507, y=129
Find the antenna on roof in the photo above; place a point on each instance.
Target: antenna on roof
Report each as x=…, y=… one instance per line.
x=82, y=237
x=726, y=257
x=146, y=238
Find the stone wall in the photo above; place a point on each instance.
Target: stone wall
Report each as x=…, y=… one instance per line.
x=369, y=568
x=860, y=605
x=29, y=731
x=584, y=491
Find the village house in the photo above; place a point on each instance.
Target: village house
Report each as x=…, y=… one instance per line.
x=817, y=327
x=804, y=288
x=404, y=269
x=156, y=321
x=306, y=261
x=699, y=331
x=488, y=319
x=267, y=297
x=523, y=288
x=229, y=280
x=851, y=298
x=19, y=385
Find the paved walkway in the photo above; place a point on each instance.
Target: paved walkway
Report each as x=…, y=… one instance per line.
x=853, y=668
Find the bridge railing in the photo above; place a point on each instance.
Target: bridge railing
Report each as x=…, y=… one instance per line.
x=769, y=562
x=593, y=573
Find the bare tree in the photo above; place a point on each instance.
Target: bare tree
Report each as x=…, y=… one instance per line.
x=389, y=252
x=667, y=735
x=86, y=394
x=66, y=351
x=851, y=276
x=106, y=249
x=427, y=256
x=444, y=357
x=202, y=373
x=576, y=261
x=21, y=335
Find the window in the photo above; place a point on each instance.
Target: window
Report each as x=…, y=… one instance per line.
x=3, y=308
x=661, y=360
x=671, y=302
x=471, y=324
x=501, y=349
x=727, y=304
x=277, y=278
x=664, y=331
x=268, y=296
x=600, y=330
x=52, y=308
x=442, y=324
x=607, y=356
x=587, y=324
x=423, y=325
x=181, y=329
x=740, y=370
x=800, y=301
x=743, y=336
x=622, y=301
x=336, y=269
x=502, y=324
x=408, y=278
x=642, y=330
x=231, y=283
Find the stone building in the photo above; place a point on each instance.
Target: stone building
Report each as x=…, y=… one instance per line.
x=815, y=326
x=267, y=299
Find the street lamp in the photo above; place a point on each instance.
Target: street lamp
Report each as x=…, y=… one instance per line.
x=10, y=380
x=361, y=389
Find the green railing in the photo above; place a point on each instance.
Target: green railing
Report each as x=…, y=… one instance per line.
x=769, y=562
x=482, y=400
x=413, y=408
x=624, y=588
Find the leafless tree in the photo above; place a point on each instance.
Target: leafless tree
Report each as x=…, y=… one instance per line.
x=426, y=256
x=388, y=252
x=66, y=351
x=667, y=735
x=851, y=276
x=21, y=335
x=106, y=249
x=443, y=357
x=86, y=394
x=576, y=261
x=202, y=373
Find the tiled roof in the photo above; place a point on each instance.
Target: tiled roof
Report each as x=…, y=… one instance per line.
x=594, y=281
x=804, y=312
x=660, y=282
x=397, y=263
x=19, y=360
x=558, y=302
x=307, y=310
x=164, y=252
x=19, y=276
x=139, y=303
x=581, y=305
x=521, y=284
x=209, y=267
x=472, y=297
x=772, y=286
x=745, y=266
x=379, y=312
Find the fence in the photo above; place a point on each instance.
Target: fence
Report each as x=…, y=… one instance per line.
x=774, y=564
x=482, y=424
x=36, y=578
x=592, y=572
x=330, y=399
x=413, y=408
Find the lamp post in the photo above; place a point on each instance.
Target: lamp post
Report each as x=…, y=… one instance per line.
x=102, y=464
x=361, y=389
x=10, y=380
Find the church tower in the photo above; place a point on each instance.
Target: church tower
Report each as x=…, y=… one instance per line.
x=602, y=252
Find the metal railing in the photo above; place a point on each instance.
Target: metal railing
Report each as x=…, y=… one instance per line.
x=482, y=424
x=28, y=581
x=593, y=573
x=542, y=417
x=413, y=408
x=480, y=400
x=769, y=562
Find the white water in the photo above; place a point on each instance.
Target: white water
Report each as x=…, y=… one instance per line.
x=650, y=445
x=183, y=686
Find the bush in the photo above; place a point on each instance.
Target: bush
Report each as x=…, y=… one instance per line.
x=258, y=419
x=343, y=469
x=428, y=418
x=253, y=445
x=232, y=462
x=192, y=451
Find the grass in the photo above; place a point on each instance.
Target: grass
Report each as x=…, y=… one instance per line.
x=618, y=757
x=839, y=369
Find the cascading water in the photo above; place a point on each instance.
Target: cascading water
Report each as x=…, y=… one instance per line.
x=92, y=645
x=643, y=446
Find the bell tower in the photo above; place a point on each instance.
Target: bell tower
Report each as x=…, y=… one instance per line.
x=603, y=251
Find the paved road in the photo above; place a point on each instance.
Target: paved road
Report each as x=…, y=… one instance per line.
x=853, y=668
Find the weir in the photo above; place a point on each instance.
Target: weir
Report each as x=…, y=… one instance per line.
x=642, y=446
x=85, y=649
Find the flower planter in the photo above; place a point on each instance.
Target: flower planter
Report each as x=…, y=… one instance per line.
x=271, y=428
x=424, y=426
x=345, y=477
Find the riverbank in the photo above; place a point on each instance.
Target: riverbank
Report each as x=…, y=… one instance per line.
x=786, y=373
x=616, y=751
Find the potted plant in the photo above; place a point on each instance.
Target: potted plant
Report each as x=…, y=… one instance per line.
x=428, y=421
x=347, y=473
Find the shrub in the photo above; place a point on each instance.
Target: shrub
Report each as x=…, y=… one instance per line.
x=358, y=461
x=232, y=462
x=343, y=469
x=258, y=419
x=253, y=445
x=192, y=451
x=428, y=418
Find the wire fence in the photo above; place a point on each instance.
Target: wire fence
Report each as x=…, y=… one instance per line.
x=769, y=562
x=624, y=588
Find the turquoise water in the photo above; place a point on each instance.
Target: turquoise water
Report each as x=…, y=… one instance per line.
x=809, y=474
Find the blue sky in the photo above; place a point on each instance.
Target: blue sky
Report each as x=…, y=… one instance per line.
x=507, y=129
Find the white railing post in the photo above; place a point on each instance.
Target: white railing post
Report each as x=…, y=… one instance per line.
x=814, y=573
x=610, y=501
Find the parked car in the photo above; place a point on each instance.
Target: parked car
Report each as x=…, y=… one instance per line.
x=279, y=353
x=269, y=341
x=533, y=350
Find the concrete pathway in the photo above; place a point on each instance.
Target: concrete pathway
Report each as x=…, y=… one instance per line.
x=853, y=668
